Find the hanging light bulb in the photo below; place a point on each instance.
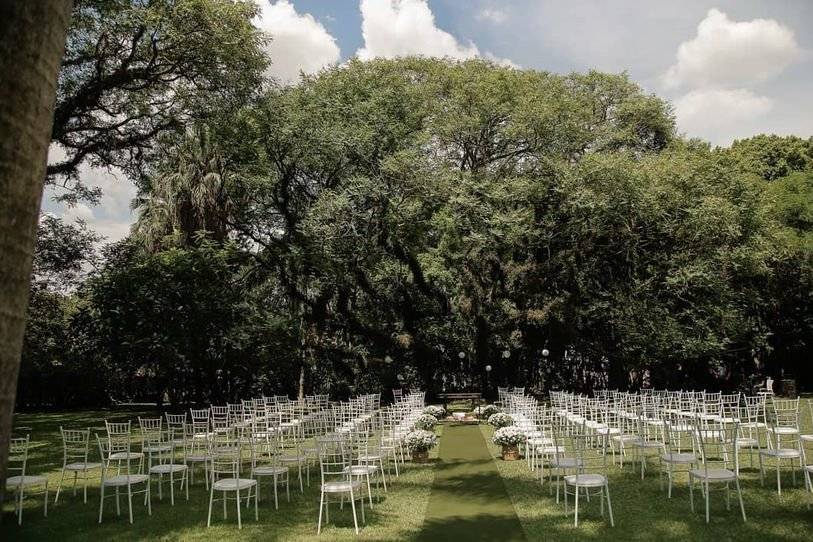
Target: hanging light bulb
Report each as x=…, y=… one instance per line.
x=461, y=355
x=545, y=352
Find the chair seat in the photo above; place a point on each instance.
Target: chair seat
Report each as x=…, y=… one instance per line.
x=808, y=438
x=270, y=471
x=361, y=470
x=714, y=475
x=586, y=480
x=124, y=479
x=167, y=468
x=608, y=431
x=293, y=459
x=641, y=443
x=674, y=457
x=234, y=484
x=784, y=430
x=782, y=453
x=753, y=425
x=624, y=438
x=157, y=449
x=341, y=487
x=121, y=456
x=14, y=482
x=565, y=463
x=197, y=458
x=370, y=457
x=747, y=442
x=82, y=466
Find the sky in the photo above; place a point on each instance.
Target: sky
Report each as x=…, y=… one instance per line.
x=730, y=68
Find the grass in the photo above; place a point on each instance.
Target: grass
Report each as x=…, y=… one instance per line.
x=474, y=496
x=642, y=511
x=469, y=501
x=399, y=516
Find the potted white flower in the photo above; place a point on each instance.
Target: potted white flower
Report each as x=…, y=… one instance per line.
x=509, y=438
x=426, y=422
x=419, y=442
x=486, y=411
x=500, y=419
x=437, y=411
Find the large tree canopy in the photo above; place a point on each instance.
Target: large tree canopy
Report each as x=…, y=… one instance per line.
x=135, y=69
x=414, y=220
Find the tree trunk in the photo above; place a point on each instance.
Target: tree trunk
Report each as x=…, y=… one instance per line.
x=32, y=41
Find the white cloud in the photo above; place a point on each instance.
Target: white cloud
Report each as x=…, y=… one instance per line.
x=731, y=53
x=494, y=15
x=298, y=41
x=112, y=217
x=720, y=115
x=393, y=28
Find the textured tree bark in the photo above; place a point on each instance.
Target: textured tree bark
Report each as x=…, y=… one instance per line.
x=32, y=42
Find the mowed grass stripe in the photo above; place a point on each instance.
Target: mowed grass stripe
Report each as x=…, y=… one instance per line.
x=468, y=500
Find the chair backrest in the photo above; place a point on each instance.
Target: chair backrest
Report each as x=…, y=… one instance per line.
x=18, y=455
x=151, y=429
x=175, y=423
x=334, y=457
x=75, y=444
x=785, y=413
x=589, y=449
x=118, y=436
x=225, y=460
x=717, y=444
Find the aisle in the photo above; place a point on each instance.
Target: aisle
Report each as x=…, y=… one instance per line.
x=468, y=500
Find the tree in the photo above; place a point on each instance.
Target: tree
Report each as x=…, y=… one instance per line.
x=134, y=70
x=771, y=156
x=186, y=197
x=50, y=374
x=32, y=40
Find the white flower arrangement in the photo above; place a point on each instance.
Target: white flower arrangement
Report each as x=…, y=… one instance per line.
x=500, y=419
x=437, y=411
x=509, y=436
x=486, y=411
x=420, y=440
x=425, y=421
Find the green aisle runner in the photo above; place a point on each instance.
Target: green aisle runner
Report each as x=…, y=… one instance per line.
x=468, y=500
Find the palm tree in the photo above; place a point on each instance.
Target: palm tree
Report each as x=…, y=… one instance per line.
x=32, y=41
x=187, y=198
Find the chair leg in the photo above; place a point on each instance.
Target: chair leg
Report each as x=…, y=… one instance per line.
x=59, y=486
x=576, y=518
x=739, y=497
x=130, y=501
x=707, y=501
x=239, y=520
x=101, y=504
x=321, y=506
x=211, y=498
x=353, y=506
x=691, y=492
x=609, y=505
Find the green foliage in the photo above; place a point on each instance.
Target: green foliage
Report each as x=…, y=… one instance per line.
x=772, y=157
x=363, y=229
x=134, y=70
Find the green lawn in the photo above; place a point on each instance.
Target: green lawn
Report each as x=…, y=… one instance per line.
x=642, y=511
x=398, y=517
x=459, y=496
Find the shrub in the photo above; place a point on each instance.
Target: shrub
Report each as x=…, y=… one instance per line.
x=420, y=440
x=426, y=421
x=486, y=411
x=508, y=436
x=500, y=419
x=437, y=411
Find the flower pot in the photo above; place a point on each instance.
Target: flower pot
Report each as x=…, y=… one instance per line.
x=420, y=457
x=510, y=453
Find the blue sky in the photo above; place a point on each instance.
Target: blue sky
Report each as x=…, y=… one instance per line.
x=731, y=68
